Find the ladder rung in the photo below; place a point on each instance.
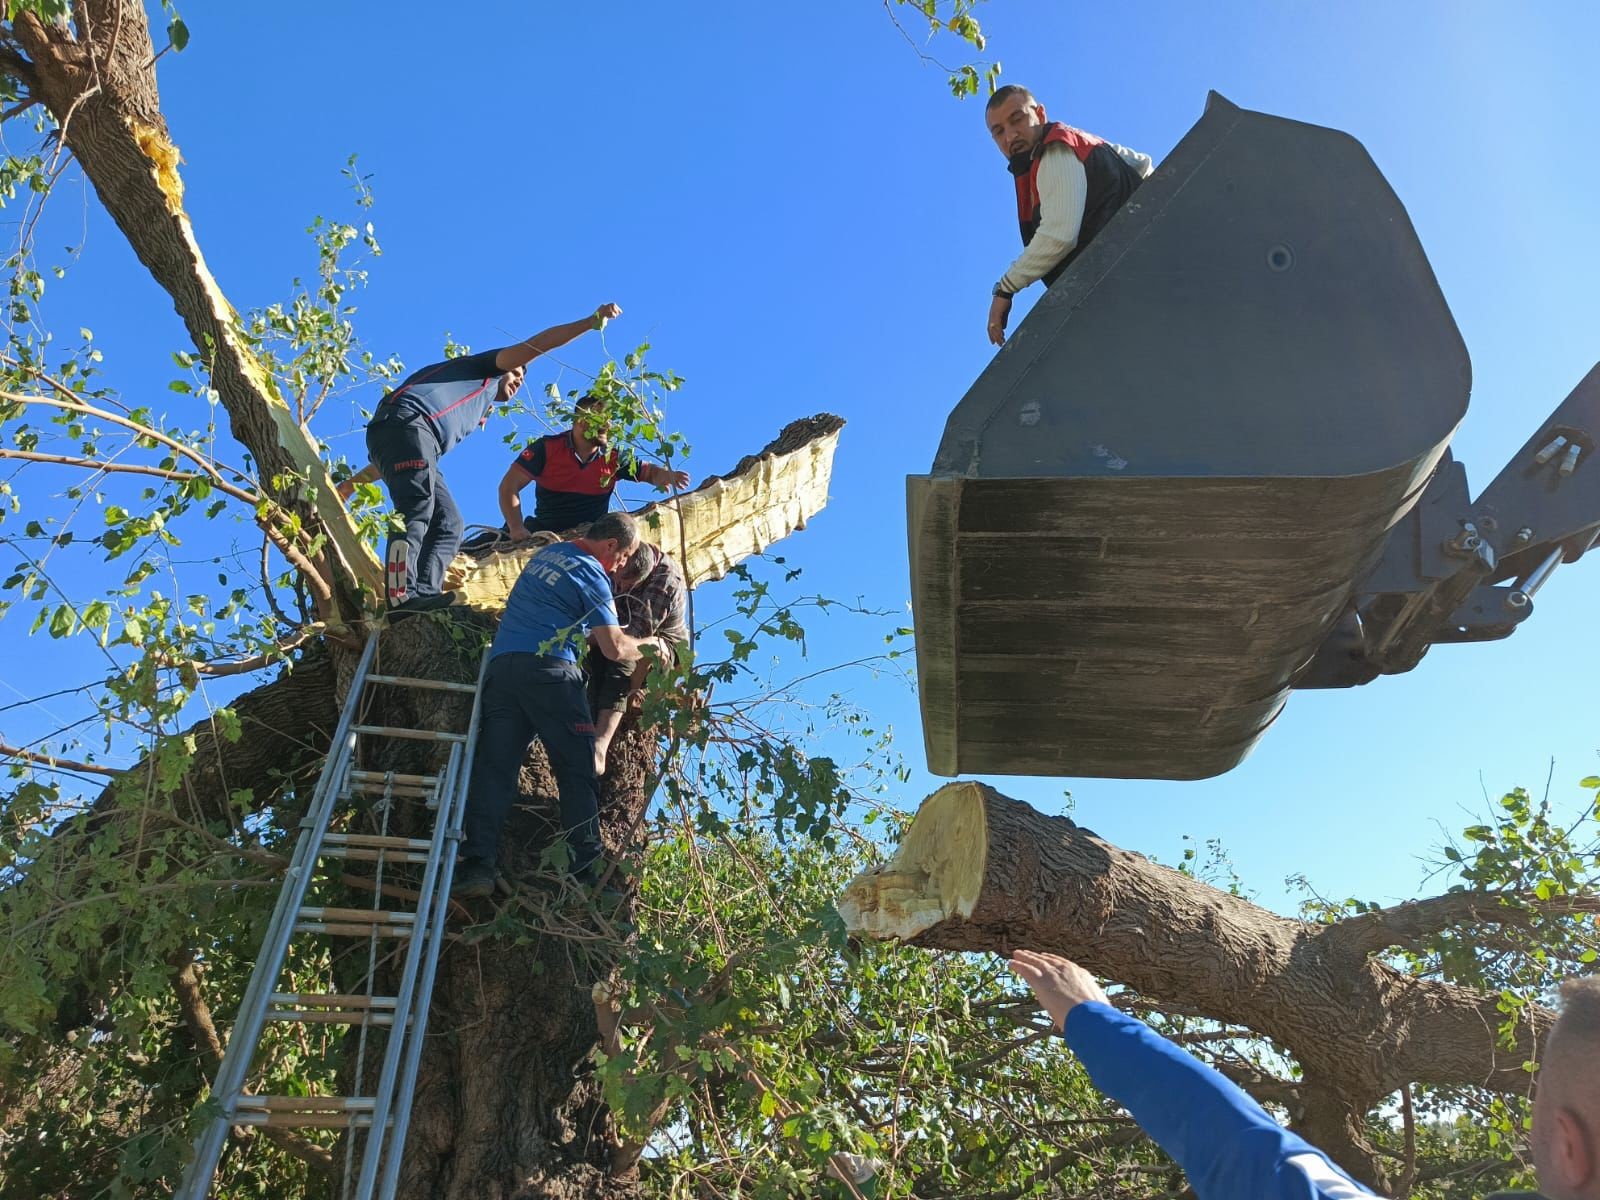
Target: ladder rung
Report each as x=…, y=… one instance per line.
x=392, y=857
x=333, y=1016
x=376, y=841
x=360, y=916
x=334, y=1000
x=437, y=685
x=356, y=790
x=394, y=777
x=305, y=1103
x=415, y=735
x=341, y=930
x=304, y=1112
x=281, y=1120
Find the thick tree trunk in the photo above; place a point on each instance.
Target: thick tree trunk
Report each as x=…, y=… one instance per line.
x=98, y=80
x=504, y=1107
x=980, y=871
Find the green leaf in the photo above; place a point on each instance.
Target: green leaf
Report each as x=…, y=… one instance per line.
x=178, y=33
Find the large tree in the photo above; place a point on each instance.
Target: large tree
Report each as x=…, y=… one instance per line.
x=744, y=1039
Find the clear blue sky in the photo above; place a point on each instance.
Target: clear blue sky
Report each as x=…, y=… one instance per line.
x=790, y=206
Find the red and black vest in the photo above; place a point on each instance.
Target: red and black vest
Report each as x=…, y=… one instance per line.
x=571, y=491
x=1111, y=182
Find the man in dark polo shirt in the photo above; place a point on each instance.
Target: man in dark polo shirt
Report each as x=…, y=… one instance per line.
x=535, y=688
x=422, y=419
x=574, y=473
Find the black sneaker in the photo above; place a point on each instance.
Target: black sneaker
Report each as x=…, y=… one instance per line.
x=475, y=877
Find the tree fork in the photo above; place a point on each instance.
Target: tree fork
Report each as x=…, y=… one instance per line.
x=979, y=871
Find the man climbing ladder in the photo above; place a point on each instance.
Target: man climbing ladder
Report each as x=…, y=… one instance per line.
x=422, y=419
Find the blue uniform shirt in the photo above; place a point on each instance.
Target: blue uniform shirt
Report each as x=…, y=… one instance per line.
x=1226, y=1143
x=561, y=594
x=452, y=396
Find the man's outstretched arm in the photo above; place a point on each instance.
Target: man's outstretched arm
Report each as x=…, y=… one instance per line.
x=1226, y=1143
x=520, y=354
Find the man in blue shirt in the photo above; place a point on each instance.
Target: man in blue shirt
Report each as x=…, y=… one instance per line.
x=423, y=418
x=535, y=687
x=1231, y=1148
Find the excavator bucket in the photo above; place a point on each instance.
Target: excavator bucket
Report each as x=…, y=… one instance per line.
x=1156, y=503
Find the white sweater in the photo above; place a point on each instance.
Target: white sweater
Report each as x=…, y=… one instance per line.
x=1063, y=192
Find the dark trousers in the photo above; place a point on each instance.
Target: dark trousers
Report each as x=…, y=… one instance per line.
x=407, y=453
x=527, y=696
x=610, y=682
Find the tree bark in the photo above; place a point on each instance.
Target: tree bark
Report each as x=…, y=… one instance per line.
x=97, y=79
x=978, y=870
x=504, y=1107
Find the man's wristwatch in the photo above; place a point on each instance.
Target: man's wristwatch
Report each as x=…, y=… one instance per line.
x=999, y=289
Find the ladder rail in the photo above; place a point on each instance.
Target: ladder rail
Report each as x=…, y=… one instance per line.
x=448, y=831
x=405, y=1018
x=247, y=1026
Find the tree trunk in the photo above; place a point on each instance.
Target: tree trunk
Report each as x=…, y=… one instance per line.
x=504, y=1106
x=980, y=871
x=98, y=81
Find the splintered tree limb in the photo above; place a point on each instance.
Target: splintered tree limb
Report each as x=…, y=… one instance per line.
x=728, y=518
x=979, y=871
x=102, y=93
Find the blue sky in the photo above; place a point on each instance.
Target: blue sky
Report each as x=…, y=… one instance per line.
x=791, y=207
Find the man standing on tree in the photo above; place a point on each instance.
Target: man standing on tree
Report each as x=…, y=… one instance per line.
x=1230, y=1147
x=652, y=602
x=1069, y=184
x=535, y=688
x=424, y=418
x=574, y=473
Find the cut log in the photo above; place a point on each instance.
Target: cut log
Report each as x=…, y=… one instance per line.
x=725, y=520
x=979, y=871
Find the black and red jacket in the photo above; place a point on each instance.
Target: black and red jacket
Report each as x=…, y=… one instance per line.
x=1111, y=182
x=568, y=490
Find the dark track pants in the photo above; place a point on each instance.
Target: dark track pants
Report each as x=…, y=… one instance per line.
x=407, y=454
x=524, y=696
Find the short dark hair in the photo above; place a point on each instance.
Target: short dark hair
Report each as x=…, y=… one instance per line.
x=618, y=525
x=588, y=400
x=1001, y=95
x=1580, y=1009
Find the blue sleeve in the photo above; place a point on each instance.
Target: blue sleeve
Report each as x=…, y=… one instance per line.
x=602, y=607
x=1226, y=1143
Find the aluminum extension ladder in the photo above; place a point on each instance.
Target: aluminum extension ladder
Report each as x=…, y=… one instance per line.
x=383, y=1116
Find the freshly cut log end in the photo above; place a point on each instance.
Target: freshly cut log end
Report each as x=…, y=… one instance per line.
x=728, y=518
x=935, y=874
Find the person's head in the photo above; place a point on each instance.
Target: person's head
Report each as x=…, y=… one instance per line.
x=637, y=569
x=1566, y=1103
x=1016, y=120
x=589, y=417
x=511, y=383
x=612, y=539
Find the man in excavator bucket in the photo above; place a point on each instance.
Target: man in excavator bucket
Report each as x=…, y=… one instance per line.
x=1069, y=184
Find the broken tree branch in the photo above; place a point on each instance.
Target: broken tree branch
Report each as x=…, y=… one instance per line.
x=978, y=871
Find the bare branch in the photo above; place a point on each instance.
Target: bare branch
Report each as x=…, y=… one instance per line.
x=240, y=666
x=55, y=763
x=314, y=578
x=1407, y=926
